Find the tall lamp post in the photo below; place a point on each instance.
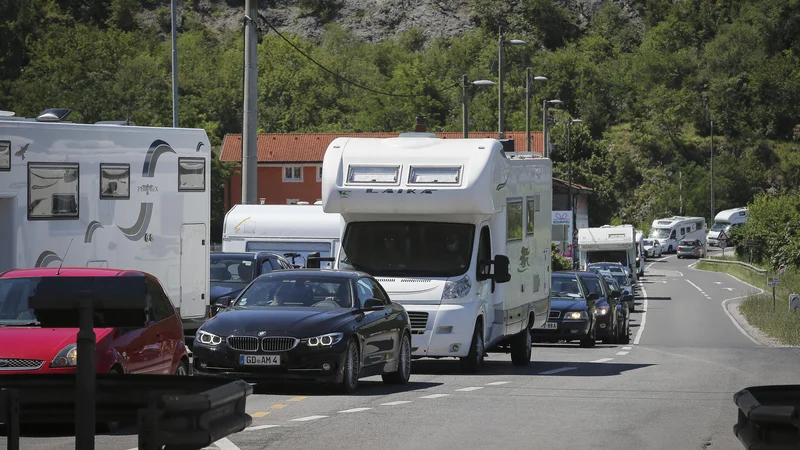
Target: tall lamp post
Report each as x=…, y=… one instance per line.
x=528, y=106
x=545, y=105
x=712, y=171
x=465, y=85
x=174, y=65
x=569, y=185
x=502, y=43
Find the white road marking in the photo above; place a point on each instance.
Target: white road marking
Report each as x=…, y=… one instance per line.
x=627, y=348
x=468, y=389
x=306, y=419
x=497, y=383
x=559, y=370
x=225, y=444
x=260, y=427
x=718, y=282
x=644, y=317
x=355, y=410
x=730, y=316
x=622, y=353
x=695, y=286
x=602, y=360
x=399, y=402
x=730, y=289
x=435, y=396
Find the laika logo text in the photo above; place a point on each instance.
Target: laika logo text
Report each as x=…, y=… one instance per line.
x=148, y=188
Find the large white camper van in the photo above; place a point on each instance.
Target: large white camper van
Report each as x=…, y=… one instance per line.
x=298, y=229
x=671, y=230
x=608, y=244
x=724, y=221
x=456, y=230
x=116, y=196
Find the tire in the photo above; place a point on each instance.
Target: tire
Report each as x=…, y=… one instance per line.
x=625, y=338
x=351, y=368
x=183, y=369
x=590, y=340
x=473, y=362
x=521, y=348
x=403, y=373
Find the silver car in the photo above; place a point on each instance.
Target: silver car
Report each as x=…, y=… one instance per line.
x=691, y=249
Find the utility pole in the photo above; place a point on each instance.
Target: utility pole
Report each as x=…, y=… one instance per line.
x=173, y=13
x=250, y=122
x=465, y=108
x=528, y=109
x=680, y=189
x=712, y=171
x=500, y=76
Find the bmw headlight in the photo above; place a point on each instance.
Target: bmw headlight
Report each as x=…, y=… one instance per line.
x=206, y=338
x=602, y=311
x=326, y=340
x=67, y=357
x=457, y=289
x=576, y=315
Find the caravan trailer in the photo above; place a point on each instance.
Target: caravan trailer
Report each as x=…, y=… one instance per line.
x=457, y=231
x=671, y=230
x=285, y=229
x=108, y=195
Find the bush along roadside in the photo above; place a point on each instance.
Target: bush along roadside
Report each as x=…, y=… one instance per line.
x=781, y=325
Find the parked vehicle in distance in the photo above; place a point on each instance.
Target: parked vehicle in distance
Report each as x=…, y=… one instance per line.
x=691, y=249
x=623, y=311
x=671, y=230
x=608, y=323
x=613, y=267
x=724, y=222
x=572, y=312
x=232, y=272
x=314, y=325
x=609, y=243
x=652, y=248
x=623, y=284
x=641, y=256
x=25, y=347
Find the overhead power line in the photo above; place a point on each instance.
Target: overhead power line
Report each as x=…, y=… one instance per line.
x=354, y=83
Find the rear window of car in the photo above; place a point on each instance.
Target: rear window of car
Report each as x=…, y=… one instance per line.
x=687, y=243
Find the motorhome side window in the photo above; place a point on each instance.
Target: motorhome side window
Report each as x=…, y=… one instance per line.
x=115, y=181
x=53, y=190
x=5, y=156
x=191, y=174
x=531, y=212
x=514, y=220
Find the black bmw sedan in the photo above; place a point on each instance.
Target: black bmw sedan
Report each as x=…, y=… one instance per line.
x=307, y=325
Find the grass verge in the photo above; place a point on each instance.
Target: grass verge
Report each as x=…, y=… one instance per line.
x=781, y=325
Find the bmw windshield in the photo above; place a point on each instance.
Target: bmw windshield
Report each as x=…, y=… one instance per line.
x=297, y=292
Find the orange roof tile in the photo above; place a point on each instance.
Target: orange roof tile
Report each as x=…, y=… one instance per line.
x=279, y=148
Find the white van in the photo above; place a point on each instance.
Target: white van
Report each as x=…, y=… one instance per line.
x=671, y=230
x=724, y=221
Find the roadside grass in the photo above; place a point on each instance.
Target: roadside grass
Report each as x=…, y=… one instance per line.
x=781, y=325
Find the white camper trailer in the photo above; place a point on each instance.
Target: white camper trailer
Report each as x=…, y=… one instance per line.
x=116, y=196
x=671, y=230
x=724, y=221
x=284, y=229
x=455, y=230
x=609, y=244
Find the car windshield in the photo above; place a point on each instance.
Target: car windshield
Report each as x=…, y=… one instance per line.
x=686, y=243
x=297, y=292
x=564, y=287
x=593, y=285
x=433, y=249
x=647, y=242
x=14, y=294
x=622, y=280
x=232, y=269
x=608, y=267
x=659, y=233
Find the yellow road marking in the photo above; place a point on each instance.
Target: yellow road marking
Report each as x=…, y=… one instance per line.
x=297, y=399
x=278, y=406
x=259, y=414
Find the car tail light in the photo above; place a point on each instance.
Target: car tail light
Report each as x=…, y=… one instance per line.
x=697, y=248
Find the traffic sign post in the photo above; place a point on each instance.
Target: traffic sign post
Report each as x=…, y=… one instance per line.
x=773, y=282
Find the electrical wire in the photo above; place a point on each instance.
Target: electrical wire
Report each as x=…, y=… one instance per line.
x=354, y=83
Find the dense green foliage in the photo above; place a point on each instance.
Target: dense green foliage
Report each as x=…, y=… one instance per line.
x=559, y=262
x=647, y=86
x=775, y=222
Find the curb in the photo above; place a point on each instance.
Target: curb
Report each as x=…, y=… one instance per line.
x=732, y=307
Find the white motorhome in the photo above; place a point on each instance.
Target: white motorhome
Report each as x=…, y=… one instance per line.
x=671, y=230
x=300, y=229
x=608, y=244
x=115, y=195
x=641, y=255
x=456, y=230
x=724, y=221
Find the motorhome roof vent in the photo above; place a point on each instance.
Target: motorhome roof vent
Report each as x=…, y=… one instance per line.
x=318, y=202
x=301, y=203
x=6, y=113
x=116, y=122
x=53, y=115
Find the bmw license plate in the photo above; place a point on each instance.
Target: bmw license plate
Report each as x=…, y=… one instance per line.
x=260, y=360
x=551, y=325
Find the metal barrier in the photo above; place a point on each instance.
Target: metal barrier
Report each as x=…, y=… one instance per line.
x=745, y=265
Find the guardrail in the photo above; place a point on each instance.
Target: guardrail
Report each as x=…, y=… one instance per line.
x=745, y=265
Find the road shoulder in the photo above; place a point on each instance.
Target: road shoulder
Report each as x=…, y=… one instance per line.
x=732, y=307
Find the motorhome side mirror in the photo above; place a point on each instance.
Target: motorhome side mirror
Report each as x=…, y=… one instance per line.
x=593, y=296
x=501, y=273
x=373, y=304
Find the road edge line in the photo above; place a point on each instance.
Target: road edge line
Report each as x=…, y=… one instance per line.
x=724, y=305
x=644, y=316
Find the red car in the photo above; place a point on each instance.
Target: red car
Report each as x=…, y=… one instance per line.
x=156, y=348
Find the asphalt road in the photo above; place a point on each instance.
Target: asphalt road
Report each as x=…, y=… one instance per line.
x=671, y=388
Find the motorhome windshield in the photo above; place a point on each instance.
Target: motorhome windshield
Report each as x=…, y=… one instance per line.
x=720, y=226
x=620, y=256
x=660, y=233
x=431, y=249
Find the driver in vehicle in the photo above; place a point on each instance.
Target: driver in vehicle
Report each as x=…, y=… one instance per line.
x=451, y=256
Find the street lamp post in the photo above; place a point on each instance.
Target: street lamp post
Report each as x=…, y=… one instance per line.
x=528, y=106
x=569, y=182
x=501, y=72
x=465, y=100
x=545, y=104
x=712, y=171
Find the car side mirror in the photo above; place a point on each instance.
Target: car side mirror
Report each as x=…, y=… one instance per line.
x=501, y=272
x=593, y=296
x=222, y=303
x=373, y=304
x=615, y=294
